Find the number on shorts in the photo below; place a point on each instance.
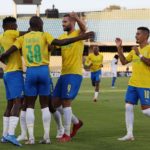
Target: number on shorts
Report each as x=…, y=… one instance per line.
x=146, y=94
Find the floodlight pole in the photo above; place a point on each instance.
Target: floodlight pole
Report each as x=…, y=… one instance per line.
x=22, y=3
x=38, y=10
x=14, y=9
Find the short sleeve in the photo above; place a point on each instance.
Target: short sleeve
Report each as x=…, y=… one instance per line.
x=17, y=33
x=49, y=38
x=19, y=42
x=14, y=33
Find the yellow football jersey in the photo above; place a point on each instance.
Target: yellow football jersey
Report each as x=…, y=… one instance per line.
x=13, y=63
x=88, y=62
x=140, y=71
x=95, y=60
x=72, y=55
x=35, y=48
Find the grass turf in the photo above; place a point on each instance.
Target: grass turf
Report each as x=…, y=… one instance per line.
x=103, y=121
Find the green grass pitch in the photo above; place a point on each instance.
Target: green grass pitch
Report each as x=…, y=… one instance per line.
x=103, y=121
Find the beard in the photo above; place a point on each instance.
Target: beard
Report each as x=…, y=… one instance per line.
x=137, y=41
x=67, y=29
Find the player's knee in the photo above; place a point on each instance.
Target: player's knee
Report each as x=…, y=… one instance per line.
x=146, y=112
x=52, y=109
x=23, y=107
x=8, y=109
x=16, y=109
x=129, y=107
x=93, y=83
x=7, y=113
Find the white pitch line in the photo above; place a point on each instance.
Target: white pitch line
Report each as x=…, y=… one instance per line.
x=102, y=91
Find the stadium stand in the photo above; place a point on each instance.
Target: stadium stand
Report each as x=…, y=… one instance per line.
x=106, y=24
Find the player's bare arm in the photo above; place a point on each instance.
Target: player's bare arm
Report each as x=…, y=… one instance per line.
x=72, y=40
x=8, y=52
x=120, y=51
x=55, y=42
x=80, y=23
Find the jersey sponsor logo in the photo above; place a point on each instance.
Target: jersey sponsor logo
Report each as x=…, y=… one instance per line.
x=32, y=40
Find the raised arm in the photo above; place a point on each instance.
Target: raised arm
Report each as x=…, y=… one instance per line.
x=67, y=41
x=80, y=23
x=120, y=51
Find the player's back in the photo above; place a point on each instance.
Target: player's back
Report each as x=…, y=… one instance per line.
x=35, y=48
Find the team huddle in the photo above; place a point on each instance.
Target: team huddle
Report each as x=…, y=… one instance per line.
x=35, y=46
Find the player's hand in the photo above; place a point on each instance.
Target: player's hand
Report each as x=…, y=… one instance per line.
x=74, y=15
x=90, y=65
x=2, y=58
x=135, y=48
x=101, y=65
x=89, y=35
x=118, y=42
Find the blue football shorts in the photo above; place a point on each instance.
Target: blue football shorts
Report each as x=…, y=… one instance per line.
x=67, y=86
x=95, y=77
x=14, y=84
x=134, y=94
x=37, y=81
